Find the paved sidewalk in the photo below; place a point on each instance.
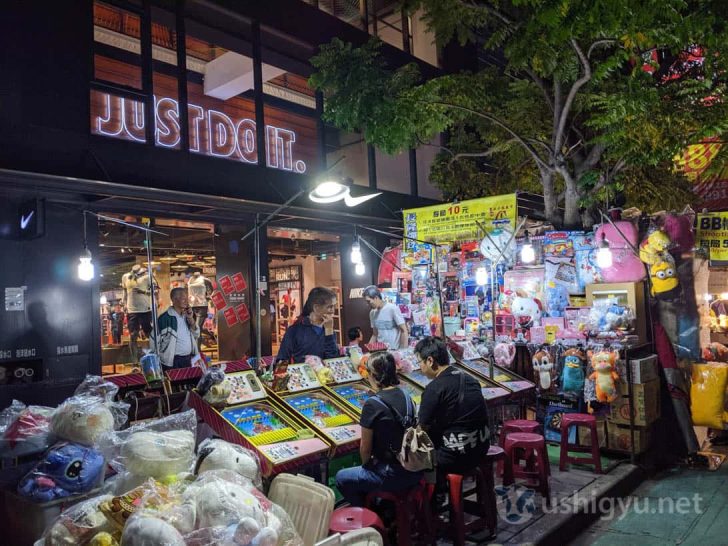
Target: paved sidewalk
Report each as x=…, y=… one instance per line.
x=665, y=510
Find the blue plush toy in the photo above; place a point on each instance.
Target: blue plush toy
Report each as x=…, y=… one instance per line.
x=573, y=372
x=66, y=469
x=557, y=299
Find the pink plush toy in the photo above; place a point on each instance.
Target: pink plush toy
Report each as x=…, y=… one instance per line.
x=504, y=353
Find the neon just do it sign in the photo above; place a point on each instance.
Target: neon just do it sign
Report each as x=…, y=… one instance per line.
x=211, y=132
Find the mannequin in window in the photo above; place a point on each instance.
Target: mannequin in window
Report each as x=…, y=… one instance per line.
x=138, y=304
x=199, y=290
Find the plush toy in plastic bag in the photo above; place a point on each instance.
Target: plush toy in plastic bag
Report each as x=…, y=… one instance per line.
x=66, y=469
x=216, y=454
x=557, y=299
x=707, y=392
x=90, y=413
x=147, y=530
x=79, y=524
x=24, y=429
x=572, y=375
x=504, y=352
x=160, y=449
x=609, y=319
x=604, y=364
x=212, y=376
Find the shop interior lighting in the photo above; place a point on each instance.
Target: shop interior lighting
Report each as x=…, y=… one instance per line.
x=331, y=191
x=103, y=300
x=360, y=269
x=85, y=267
x=356, y=257
x=604, y=254
x=481, y=276
x=528, y=255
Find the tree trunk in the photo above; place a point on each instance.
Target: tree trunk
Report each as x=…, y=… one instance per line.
x=550, y=199
x=572, y=216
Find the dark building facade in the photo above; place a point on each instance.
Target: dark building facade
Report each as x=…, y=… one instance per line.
x=194, y=111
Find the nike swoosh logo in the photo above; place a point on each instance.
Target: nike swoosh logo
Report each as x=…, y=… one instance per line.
x=354, y=201
x=25, y=221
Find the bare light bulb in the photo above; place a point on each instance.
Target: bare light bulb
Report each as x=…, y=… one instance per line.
x=85, y=267
x=360, y=269
x=356, y=256
x=604, y=254
x=481, y=276
x=528, y=255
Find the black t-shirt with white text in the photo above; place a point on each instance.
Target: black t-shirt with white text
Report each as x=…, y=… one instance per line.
x=458, y=430
x=388, y=432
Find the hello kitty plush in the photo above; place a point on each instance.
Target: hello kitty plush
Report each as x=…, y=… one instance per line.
x=527, y=311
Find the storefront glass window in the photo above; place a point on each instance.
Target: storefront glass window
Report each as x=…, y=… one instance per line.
x=116, y=33
x=291, y=140
x=351, y=149
x=393, y=172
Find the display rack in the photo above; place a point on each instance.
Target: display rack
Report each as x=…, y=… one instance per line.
x=289, y=277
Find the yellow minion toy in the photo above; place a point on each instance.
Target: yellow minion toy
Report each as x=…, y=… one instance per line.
x=654, y=247
x=664, y=278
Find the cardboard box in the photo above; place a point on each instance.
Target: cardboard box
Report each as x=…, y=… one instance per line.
x=619, y=439
x=585, y=434
x=626, y=293
x=646, y=401
x=644, y=369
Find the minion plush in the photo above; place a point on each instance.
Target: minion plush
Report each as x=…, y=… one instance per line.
x=664, y=279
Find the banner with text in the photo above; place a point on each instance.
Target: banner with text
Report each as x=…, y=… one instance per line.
x=459, y=221
x=712, y=235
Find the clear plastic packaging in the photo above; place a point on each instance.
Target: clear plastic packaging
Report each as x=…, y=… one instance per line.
x=217, y=454
x=24, y=429
x=609, y=319
x=160, y=449
x=89, y=413
x=78, y=525
x=66, y=469
x=220, y=507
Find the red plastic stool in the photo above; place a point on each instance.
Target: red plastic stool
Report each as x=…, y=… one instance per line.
x=516, y=425
x=406, y=504
x=352, y=518
x=485, y=507
x=579, y=420
x=534, y=446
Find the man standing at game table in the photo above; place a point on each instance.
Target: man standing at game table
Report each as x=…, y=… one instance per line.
x=178, y=332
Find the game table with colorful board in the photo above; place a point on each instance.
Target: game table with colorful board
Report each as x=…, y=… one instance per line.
x=255, y=420
x=334, y=419
x=519, y=387
x=493, y=393
x=348, y=386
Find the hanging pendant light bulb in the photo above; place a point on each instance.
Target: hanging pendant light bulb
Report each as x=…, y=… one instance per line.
x=85, y=267
x=528, y=255
x=356, y=256
x=360, y=269
x=103, y=299
x=481, y=276
x=604, y=254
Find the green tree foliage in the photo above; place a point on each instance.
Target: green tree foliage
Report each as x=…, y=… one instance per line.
x=572, y=113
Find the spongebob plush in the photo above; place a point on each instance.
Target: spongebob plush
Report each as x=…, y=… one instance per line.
x=663, y=275
x=654, y=247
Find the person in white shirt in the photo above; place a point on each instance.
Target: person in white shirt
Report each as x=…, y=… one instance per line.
x=178, y=332
x=388, y=325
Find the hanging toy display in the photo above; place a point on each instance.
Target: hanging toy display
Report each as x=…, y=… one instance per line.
x=604, y=363
x=663, y=277
x=543, y=367
x=654, y=248
x=504, y=353
x=572, y=375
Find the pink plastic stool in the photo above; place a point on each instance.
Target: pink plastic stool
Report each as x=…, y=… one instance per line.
x=353, y=518
x=534, y=446
x=579, y=420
